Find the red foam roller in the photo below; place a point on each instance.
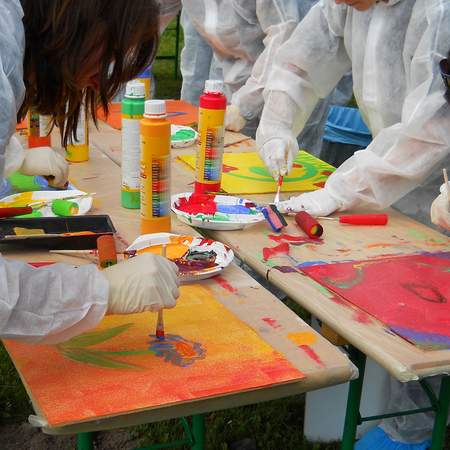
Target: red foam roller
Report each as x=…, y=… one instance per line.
x=364, y=219
x=308, y=224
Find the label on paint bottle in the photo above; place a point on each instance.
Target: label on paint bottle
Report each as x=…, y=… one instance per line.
x=209, y=168
x=131, y=158
x=81, y=132
x=155, y=201
x=44, y=126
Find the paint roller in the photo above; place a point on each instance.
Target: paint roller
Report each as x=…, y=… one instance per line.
x=106, y=247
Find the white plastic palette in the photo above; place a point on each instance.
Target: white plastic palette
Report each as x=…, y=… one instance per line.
x=224, y=255
x=25, y=198
x=232, y=213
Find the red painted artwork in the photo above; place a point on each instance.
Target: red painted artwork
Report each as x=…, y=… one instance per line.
x=410, y=294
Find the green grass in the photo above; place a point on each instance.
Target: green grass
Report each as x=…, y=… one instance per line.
x=274, y=425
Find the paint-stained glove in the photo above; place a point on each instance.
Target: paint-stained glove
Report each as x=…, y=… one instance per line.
x=233, y=119
x=440, y=210
x=146, y=282
x=46, y=162
x=278, y=154
x=317, y=203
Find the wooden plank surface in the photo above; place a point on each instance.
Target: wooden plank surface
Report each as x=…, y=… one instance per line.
x=401, y=236
x=321, y=362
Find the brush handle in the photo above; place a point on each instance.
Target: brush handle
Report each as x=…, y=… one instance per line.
x=15, y=211
x=364, y=219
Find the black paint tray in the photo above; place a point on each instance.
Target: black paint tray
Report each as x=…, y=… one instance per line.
x=53, y=226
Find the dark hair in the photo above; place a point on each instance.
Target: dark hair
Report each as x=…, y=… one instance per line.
x=59, y=37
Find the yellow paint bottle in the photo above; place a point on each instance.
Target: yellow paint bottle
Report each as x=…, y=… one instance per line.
x=78, y=150
x=155, y=169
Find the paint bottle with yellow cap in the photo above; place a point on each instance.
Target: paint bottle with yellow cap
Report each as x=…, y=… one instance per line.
x=133, y=106
x=212, y=106
x=38, y=129
x=155, y=169
x=78, y=149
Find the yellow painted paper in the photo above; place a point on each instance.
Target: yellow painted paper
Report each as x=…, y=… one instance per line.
x=245, y=173
x=120, y=367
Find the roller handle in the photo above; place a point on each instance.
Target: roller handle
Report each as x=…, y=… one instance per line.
x=15, y=211
x=364, y=219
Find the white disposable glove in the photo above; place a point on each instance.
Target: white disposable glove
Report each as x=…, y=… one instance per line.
x=440, y=210
x=317, y=203
x=14, y=156
x=278, y=154
x=46, y=162
x=275, y=139
x=233, y=119
x=146, y=282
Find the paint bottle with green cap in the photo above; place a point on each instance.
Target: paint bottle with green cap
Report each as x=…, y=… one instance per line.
x=133, y=106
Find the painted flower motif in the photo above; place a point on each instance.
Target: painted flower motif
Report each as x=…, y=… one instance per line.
x=177, y=350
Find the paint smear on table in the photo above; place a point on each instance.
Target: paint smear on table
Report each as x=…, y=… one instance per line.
x=225, y=285
x=120, y=367
x=304, y=340
x=247, y=174
x=271, y=322
x=410, y=294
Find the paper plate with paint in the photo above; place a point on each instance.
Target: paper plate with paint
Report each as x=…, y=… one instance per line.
x=51, y=203
x=182, y=136
x=196, y=257
x=215, y=212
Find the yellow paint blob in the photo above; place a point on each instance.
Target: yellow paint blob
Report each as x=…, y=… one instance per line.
x=177, y=247
x=303, y=338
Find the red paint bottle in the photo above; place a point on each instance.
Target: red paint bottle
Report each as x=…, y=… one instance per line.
x=211, y=128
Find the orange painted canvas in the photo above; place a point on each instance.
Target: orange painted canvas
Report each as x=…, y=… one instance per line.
x=120, y=367
x=179, y=113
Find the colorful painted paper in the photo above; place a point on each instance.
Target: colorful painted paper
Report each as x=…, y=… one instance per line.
x=120, y=367
x=410, y=294
x=245, y=173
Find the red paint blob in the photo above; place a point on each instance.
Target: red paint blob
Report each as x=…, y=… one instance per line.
x=198, y=204
x=294, y=240
x=270, y=252
x=224, y=283
x=362, y=317
x=271, y=322
x=226, y=169
x=312, y=354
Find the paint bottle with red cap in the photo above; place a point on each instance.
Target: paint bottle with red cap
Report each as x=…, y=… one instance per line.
x=212, y=107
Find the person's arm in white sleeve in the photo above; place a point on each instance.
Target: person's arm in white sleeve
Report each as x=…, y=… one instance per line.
x=307, y=68
x=168, y=11
x=50, y=304
x=277, y=19
x=404, y=154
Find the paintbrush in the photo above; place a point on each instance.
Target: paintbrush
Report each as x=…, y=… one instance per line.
x=447, y=187
x=160, y=323
x=41, y=203
x=277, y=195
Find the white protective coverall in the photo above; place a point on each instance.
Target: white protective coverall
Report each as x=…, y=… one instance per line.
x=52, y=304
x=393, y=50
x=245, y=36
